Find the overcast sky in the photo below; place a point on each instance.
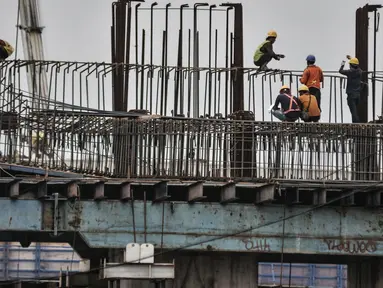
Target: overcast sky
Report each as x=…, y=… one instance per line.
x=80, y=29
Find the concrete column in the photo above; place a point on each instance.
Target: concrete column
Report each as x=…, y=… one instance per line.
x=365, y=274
x=216, y=270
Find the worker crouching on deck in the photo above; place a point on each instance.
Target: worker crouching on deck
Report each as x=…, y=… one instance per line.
x=265, y=52
x=313, y=77
x=309, y=105
x=6, y=50
x=290, y=105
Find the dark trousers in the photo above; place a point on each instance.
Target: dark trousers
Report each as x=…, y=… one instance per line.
x=316, y=92
x=353, y=101
x=264, y=60
x=313, y=119
x=292, y=116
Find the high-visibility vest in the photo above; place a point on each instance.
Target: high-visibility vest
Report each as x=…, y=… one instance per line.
x=291, y=105
x=258, y=53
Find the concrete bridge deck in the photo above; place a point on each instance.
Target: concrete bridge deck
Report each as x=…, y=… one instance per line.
x=171, y=223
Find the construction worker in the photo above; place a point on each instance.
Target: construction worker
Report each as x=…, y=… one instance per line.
x=265, y=52
x=353, y=88
x=6, y=50
x=290, y=105
x=309, y=105
x=313, y=77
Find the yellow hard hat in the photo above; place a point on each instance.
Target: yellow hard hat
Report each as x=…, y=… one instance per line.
x=272, y=33
x=284, y=87
x=8, y=47
x=354, y=61
x=303, y=88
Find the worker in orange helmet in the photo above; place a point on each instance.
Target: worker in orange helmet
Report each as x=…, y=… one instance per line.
x=313, y=77
x=6, y=50
x=290, y=105
x=309, y=105
x=265, y=53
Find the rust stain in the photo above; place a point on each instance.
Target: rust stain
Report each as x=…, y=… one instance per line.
x=76, y=221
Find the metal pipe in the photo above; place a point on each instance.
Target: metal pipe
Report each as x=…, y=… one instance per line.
x=195, y=61
x=137, y=67
x=151, y=54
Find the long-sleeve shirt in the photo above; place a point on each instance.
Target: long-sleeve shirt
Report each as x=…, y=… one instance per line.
x=312, y=76
x=285, y=101
x=354, y=78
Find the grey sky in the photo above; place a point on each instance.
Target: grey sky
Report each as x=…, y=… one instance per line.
x=80, y=29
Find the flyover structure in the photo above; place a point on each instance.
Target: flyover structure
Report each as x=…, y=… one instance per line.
x=185, y=157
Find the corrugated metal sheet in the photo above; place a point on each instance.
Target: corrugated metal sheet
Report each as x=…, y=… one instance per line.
x=303, y=275
x=38, y=260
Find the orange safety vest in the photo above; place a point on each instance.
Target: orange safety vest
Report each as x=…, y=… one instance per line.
x=291, y=105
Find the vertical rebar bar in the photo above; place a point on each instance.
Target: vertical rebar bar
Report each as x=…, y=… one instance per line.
x=210, y=44
x=179, y=78
x=151, y=55
x=137, y=62
x=142, y=70
x=227, y=61
x=195, y=61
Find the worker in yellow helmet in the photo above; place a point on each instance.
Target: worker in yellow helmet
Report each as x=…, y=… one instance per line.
x=6, y=50
x=354, y=85
x=309, y=105
x=265, y=52
x=290, y=105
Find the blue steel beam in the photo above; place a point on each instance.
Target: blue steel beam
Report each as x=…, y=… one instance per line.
x=109, y=224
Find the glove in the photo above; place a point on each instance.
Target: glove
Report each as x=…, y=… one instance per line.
x=281, y=56
x=343, y=62
x=277, y=58
x=270, y=109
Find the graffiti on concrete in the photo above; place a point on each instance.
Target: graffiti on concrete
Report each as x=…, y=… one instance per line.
x=259, y=245
x=351, y=246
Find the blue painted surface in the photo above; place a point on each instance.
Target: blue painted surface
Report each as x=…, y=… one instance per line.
x=308, y=275
x=109, y=224
x=21, y=215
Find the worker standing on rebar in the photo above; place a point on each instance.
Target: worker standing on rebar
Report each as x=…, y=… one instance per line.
x=265, y=52
x=290, y=105
x=353, y=88
x=6, y=50
x=309, y=105
x=313, y=77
